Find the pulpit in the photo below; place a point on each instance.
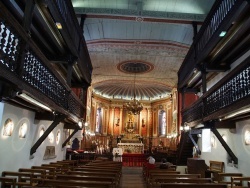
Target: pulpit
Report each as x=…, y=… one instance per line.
x=197, y=166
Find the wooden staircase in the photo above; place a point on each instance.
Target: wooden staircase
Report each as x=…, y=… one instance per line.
x=185, y=148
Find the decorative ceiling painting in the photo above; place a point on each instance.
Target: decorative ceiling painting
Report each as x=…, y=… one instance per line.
x=155, y=32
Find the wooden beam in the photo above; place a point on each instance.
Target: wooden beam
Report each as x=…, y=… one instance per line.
x=58, y=119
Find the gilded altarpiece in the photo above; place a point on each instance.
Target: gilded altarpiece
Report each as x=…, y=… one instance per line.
x=130, y=124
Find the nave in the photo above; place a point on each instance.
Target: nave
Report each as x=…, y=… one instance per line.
x=132, y=178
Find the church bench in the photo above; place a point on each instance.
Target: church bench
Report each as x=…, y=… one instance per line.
x=226, y=177
x=193, y=185
x=162, y=180
x=50, y=171
x=147, y=171
x=153, y=173
x=64, y=167
x=98, y=170
x=215, y=167
x=104, y=163
x=111, y=179
x=237, y=182
x=114, y=168
x=63, y=183
x=23, y=178
x=71, y=162
x=38, y=174
x=153, y=177
x=100, y=173
x=10, y=181
x=59, y=168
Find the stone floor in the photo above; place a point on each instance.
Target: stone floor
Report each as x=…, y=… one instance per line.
x=132, y=178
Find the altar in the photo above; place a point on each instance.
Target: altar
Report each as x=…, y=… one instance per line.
x=135, y=148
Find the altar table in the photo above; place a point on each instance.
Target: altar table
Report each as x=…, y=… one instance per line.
x=134, y=148
x=133, y=159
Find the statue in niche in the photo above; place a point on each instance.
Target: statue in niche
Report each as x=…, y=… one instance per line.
x=130, y=125
x=8, y=127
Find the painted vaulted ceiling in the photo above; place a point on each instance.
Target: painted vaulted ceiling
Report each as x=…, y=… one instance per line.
x=137, y=46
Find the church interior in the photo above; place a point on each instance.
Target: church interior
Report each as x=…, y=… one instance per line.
x=100, y=93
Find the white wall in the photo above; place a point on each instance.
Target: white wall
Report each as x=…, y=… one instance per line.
x=235, y=140
x=15, y=151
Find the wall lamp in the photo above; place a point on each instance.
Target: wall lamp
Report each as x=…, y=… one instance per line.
x=185, y=127
x=33, y=101
x=196, y=74
x=240, y=112
x=80, y=124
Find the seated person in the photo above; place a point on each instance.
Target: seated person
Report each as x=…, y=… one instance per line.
x=151, y=162
x=165, y=164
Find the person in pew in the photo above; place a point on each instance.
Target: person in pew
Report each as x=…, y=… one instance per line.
x=151, y=162
x=164, y=164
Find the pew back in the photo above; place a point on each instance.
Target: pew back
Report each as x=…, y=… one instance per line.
x=193, y=185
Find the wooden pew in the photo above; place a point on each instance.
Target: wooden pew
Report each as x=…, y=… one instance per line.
x=226, y=177
x=8, y=181
x=193, y=185
x=98, y=173
x=237, y=182
x=152, y=178
x=98, y=170
x=58, y=183
x=72, y=162
x=146, y=171
x=216, y=167
x=183, y=180
x=38, y=174
x=164, y=180
x=23, y=178
x=111, y=179
x=50, y=171
x=60, y=168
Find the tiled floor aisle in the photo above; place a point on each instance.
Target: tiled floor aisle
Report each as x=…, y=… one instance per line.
x=132, y=178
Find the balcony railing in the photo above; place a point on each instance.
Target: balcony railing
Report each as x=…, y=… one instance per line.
x=232, y=92
x=221, y=10
x=70, y=23
x=22, y=62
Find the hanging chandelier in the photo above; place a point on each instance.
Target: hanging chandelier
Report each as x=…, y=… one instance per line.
x=134, y=106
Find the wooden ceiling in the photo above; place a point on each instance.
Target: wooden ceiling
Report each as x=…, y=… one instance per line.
x=158, y=33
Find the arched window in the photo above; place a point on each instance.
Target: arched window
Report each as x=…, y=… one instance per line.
x=162, y=123
x=98, y=120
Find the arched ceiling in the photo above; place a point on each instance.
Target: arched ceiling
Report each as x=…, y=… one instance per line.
x=158, y=33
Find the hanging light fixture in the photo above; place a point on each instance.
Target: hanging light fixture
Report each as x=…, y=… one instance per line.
x=134, y=106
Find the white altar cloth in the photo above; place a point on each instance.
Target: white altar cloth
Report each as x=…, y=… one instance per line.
x=131, y=147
